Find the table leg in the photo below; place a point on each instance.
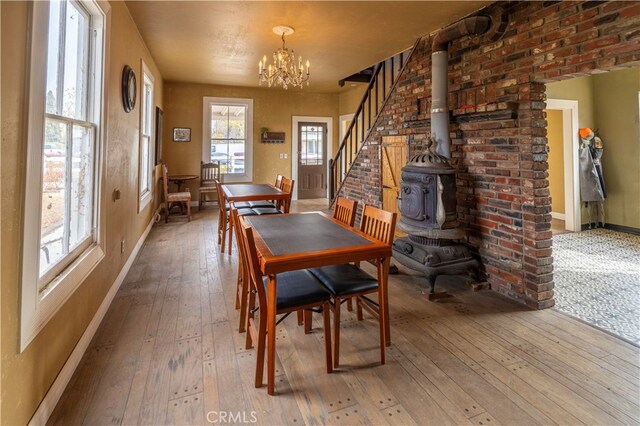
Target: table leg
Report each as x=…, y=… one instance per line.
x=271, y=334
x=383, y=298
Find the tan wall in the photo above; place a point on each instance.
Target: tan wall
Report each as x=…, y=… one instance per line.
x=350, y=99
x=556, y=159
x=616, y=112
x=27, y=376
x=577, y=89
x=271, y=108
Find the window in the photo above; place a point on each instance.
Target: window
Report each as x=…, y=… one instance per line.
x=61, y=203
x=228, y=130
x=146, y=126
x=311, y=142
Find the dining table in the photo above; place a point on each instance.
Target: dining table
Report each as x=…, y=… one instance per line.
x=252, y=192
x=180, y=180
x=296, y=241
x=244, y=192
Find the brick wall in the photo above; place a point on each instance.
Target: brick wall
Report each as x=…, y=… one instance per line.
x=497, y=94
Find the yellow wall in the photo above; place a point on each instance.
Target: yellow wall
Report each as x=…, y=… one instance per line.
x=27, y=376
x=556, y=159
x=577, y=89
x=350, y=99
x=272, y=108
x=616, y=112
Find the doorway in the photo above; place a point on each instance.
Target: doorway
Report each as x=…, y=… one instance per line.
x=562, y=136
x=316, y=177
x=596, y=271
x=312, y=159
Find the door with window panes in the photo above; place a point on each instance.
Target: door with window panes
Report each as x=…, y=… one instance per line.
x=312, y=160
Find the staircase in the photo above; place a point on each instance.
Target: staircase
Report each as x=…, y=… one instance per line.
x=383, y=80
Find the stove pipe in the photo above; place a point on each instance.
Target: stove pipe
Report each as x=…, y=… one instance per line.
x=474, y=25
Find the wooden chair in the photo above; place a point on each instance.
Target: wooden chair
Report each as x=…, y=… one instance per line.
x=345, y=211
x=242, y=284
x=223, y=217
x=209, y=174
x=278, y=183
x=296, y=290
x=287, y=186
x=173, y=198
x=347, y=280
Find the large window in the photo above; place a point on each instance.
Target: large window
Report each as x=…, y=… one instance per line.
x=228, y=136
x=61, y=201
x=146, y=131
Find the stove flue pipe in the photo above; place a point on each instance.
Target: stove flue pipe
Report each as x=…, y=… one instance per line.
x=474, y=25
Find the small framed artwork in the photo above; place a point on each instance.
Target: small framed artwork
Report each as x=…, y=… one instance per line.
x=182, y=134
x=159, y=124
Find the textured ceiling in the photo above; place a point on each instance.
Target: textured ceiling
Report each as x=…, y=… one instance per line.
x=221, y=42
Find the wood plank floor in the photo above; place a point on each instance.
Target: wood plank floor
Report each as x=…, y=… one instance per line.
x=168, y=352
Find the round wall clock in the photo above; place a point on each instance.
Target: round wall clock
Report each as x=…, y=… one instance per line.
x=129, y=88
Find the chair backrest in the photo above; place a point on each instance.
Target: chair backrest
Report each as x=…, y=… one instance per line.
x=287, y=186
x=165, y=181
x=278, y=183
x=253, y=264
x=209, y=172
x=378, y=223
x=239, y=241
x=345, y=210
x=221, y=206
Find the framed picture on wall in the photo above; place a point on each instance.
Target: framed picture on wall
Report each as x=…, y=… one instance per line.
x=159, y=125
x=182, y=134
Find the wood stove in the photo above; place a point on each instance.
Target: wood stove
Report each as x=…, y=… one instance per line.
x=428, y=215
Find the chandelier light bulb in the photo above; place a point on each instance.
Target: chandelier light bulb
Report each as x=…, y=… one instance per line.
x=285, y=70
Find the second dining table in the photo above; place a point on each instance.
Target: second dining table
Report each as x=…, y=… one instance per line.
x=252, y=192
x=308, y=240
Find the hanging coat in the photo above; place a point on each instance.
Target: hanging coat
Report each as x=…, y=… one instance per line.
x=591, y=182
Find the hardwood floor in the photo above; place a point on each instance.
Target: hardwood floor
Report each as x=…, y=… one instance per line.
x=168, y=352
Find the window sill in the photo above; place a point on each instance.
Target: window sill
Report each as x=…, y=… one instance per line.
x=144, y=201
x=41, y=307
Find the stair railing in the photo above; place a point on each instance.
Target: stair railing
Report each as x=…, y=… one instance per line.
x=376, y=95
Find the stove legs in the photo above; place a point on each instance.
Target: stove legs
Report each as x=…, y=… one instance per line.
x=433, y=294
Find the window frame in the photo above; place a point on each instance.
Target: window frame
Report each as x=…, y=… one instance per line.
x=40, y=301
x=247, y=176
x=145, y=196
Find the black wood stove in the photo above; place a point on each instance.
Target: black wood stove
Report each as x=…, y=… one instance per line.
x=428, y=215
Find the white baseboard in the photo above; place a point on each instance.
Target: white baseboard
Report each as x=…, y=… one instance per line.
x=559, y=216
x=46, y=407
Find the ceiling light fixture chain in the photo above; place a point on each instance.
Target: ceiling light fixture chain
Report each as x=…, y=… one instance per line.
x=284, y=70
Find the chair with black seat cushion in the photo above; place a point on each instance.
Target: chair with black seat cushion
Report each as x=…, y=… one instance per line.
x=174, y=198
x=287, y=186
x=345, y=211
x=242, y=284
x=296, y=290
x=347, y=280
x=223, y=217
x=209, y=174
x=225, y=222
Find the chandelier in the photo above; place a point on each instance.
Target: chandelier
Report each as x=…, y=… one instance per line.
x=285, y=70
